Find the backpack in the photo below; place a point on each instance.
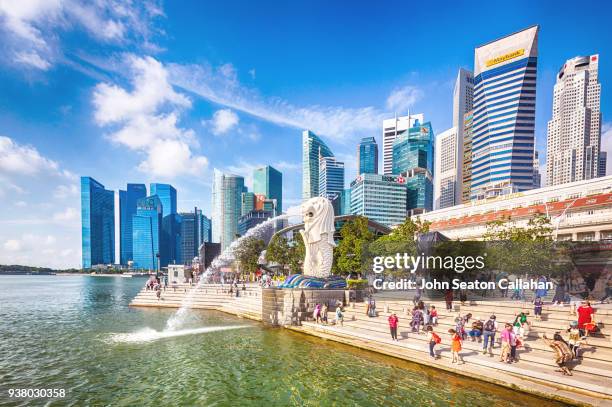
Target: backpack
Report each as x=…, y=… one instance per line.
x=490, y=326
x=436, y=337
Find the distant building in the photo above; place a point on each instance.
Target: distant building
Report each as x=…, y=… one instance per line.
x=97, y=223
x=466, y=174
x=503, y=133
x=345, y=202
x=171, y=240
x=447, y=165
x=537, y=177
x=226, y=206
x=127, y=208
x=247, y=202
x=268, y=181
x=195, y=230
x=207, y=253
x=413, y=155
x=253, y=219
x=391, y=129
x=574, y=132
x=379, y=197
x=147, y=233
x=205, y=229
x=312, y=148
x=367, y=156
x=603, y=159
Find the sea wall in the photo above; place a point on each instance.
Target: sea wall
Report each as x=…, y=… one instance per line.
x=283, y=306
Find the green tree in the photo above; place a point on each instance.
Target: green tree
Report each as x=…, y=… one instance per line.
x=247, y=254
x=279, y=251
x=349, y=253
x=297, y=251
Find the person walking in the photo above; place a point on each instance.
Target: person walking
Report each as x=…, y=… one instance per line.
x=537, y=308
x=393, y=322
x=455, y=346
x=434, y=339
x=448, y=298
x=339, y=316
x=316, y=313
x=507, y=338
x=585, y=318
x=488, y=334
x=324, y=313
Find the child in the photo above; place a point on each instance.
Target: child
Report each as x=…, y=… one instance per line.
x=520, y=324
x=574, y=338
x=460, y=327
x=455, y=346
x=316, y=314
x=324, y=314
x=393, y=322
x=433, y=315
x=339, y=315
x=434, y=339
x=537, y=308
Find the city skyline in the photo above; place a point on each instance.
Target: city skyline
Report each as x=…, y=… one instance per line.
x=68, y=112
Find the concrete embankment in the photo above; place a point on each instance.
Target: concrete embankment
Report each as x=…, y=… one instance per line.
x=534, y=373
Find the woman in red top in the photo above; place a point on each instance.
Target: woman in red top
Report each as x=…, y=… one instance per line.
x=585, y=316
x=393, y=322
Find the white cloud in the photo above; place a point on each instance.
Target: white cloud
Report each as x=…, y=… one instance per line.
x=221, y=86
x=24, y=160
x=253, y=73
x=32, y=29
x=146, y=118
x=606, y=144
x=66, y=191
x=223, y=121
x=12, y=245
x=287, y=166
x=26, y=249
x=67, y=215
x=402, y=99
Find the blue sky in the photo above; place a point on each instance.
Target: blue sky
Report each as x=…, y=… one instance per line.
x=166, y=92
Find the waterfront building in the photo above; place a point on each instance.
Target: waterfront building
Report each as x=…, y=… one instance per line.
x=503, y=129
x=603, y=159
x=367, y=156
x=391, y=129
x=226, y=206
x=578, y=211
x=205, y=228
x=167, y=195
x=574, y=131
x=195, y=230
x=331, y=177
x=268, y=181
x=381, y=198
x=466, y=173
x=345, y=202
x=170, y=249
x=127, y=208
x=447, y=167
x=247, y=202
x=312, y=148
x=147, y=233
x=413, y=156
x=97, y=223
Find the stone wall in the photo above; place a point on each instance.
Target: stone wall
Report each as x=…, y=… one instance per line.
x=291, y=306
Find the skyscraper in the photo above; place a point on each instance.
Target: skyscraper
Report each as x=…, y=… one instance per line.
x=391, y=128
x=247, y=202
x=447, y=182
x=379, y=197
x=205, y=229
x=167, y=195
x=147, y=233
x=574, y=132
x=603, y=160
x=504, y=114
x=537, y=177
x=345, y=202
x=226, y=205
x=97, y=223
x=268, y=181
x=463, y=102
x=128, y=200
x=367, y=156
x=312, y=148
x=413, y=155
x=466, y=174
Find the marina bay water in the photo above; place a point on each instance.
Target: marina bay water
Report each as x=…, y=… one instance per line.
x=77, y=333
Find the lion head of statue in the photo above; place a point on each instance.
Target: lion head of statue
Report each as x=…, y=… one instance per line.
x=318, y=215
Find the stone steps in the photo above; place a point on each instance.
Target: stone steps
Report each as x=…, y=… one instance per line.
x=581, y=380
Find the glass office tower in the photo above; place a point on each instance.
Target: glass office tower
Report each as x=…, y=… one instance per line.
x=127, y=208
x=312, y=148
x=147, y=233
x=97, y=223
x=367, y=156
x=167, y=195
x=227, y=206
x=268, y=181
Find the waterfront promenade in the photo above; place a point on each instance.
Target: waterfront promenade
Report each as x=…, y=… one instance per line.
x=534, y=373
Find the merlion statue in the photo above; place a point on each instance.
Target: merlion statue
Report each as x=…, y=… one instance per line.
x=318, y=235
